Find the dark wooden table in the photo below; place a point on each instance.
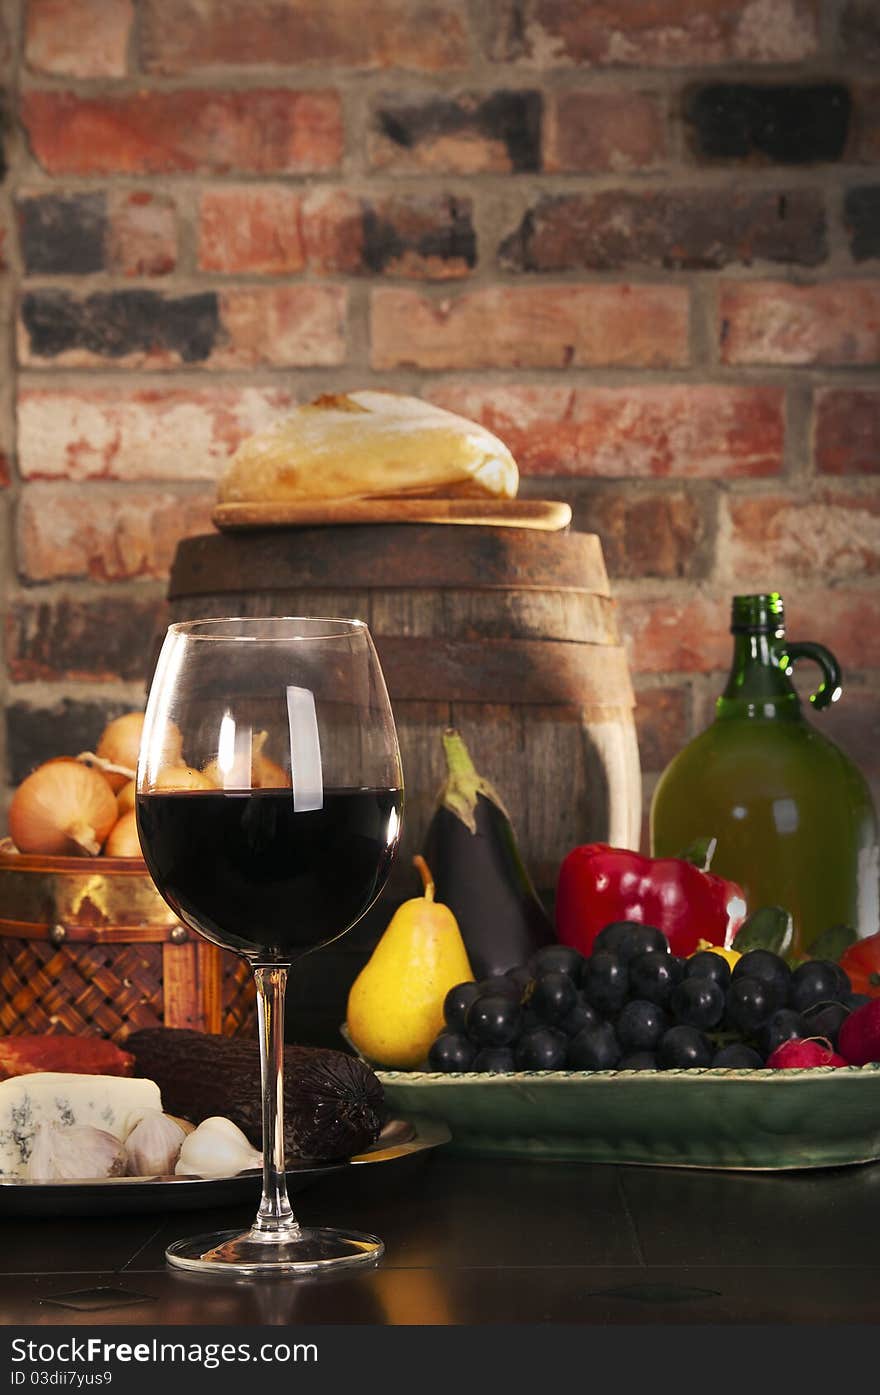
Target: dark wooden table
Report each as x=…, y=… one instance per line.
x=473, y=1241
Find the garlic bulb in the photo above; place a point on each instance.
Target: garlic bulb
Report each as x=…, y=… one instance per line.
x=62, y=807
x=123, y=841
x=74, y=1154
x=153, y=1145
x=217, y=1148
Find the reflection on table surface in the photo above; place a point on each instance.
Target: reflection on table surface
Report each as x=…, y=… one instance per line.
x=487, y=1241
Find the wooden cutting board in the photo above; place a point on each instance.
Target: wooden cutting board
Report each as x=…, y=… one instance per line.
x=549, y=515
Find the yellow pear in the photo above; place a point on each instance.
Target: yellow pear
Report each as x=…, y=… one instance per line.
x=395, y=1006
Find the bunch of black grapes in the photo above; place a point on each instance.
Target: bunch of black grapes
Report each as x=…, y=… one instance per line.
x=632, y=1005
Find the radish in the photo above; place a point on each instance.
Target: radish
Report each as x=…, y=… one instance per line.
x=859, y=1036
x=803, y=1053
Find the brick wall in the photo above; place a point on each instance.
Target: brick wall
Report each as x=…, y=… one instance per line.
x=640, y=241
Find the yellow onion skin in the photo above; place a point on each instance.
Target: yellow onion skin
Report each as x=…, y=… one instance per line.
x=125, y=798
x=63, y=808
x=120, y=742
x=182, y=777
x=119, y=745
x=123, y=841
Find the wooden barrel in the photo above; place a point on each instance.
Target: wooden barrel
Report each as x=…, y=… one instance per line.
x=508, y=634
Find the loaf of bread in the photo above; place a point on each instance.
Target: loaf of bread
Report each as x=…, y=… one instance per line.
x=369, y=445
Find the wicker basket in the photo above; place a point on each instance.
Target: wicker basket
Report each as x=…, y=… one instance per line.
x=88, y=946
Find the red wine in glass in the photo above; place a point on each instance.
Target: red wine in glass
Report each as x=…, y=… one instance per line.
x=269, y=802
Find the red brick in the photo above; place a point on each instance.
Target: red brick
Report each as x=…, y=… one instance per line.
x=298, y=326
x=421, y=236
x=665, y=33
x=546, y=327
x=767, y=123
x=864, y=142
x=274, y=230
x=105, y=533
x=458, y=133
x=101, y=639
x=774, y=322
x=645, y=534
x=332, y=222
x=142, y=233
x=859, y=26
x=663, y=633
x=391, y=34
x=125, y=232
x=843, y=618
x=258, y=131
x=78, y=38
x=671, y=633
x=37, y=731
x=425, y=236
x=595, y=131
x=698, y=431
x=848, y=431
x=137, y=434
x=289, y=325
x=250, y=229
x=827, y=535
x=673, y=229
x=661, y=724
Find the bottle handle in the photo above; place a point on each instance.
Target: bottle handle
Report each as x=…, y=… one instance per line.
x=829, y=689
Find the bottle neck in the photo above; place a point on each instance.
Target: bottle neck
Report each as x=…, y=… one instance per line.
x=758, y=686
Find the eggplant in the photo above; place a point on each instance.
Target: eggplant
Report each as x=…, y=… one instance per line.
x=479, y=872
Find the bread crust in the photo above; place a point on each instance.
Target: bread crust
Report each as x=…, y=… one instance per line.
x=369, y=444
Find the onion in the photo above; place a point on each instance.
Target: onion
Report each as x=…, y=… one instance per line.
x=63, y=807
x=123, y=840
x=265, y=772
x=125, y=797
x=182, y=777
x=120, y=742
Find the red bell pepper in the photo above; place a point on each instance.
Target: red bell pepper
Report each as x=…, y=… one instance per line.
x=599, y=884
x=862, y=963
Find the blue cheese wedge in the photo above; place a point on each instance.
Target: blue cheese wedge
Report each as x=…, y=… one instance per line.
x=109, y=1102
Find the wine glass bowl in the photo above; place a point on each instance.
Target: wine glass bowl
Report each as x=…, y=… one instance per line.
x=269, y=800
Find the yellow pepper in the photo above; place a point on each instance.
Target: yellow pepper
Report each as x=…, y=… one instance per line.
x=731, y=955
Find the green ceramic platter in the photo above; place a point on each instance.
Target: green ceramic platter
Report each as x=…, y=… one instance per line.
x=761, y=1119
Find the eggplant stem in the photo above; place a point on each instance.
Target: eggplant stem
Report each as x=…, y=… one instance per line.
x=463, y=782
x=425, y=874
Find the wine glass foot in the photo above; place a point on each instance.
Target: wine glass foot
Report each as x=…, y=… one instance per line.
x=316, y=1250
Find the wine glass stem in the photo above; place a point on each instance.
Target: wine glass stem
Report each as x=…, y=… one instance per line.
x=275, y=1218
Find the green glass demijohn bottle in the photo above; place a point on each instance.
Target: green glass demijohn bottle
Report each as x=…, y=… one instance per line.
x=793, y=816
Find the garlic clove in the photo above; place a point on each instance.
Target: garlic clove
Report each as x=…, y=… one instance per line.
x=217, y=1148
x=153, y=1146
x=74, y=1154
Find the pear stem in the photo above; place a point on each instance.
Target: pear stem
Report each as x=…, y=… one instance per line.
x=425, y=874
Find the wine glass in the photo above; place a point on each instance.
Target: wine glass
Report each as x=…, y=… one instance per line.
x=269, y=797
